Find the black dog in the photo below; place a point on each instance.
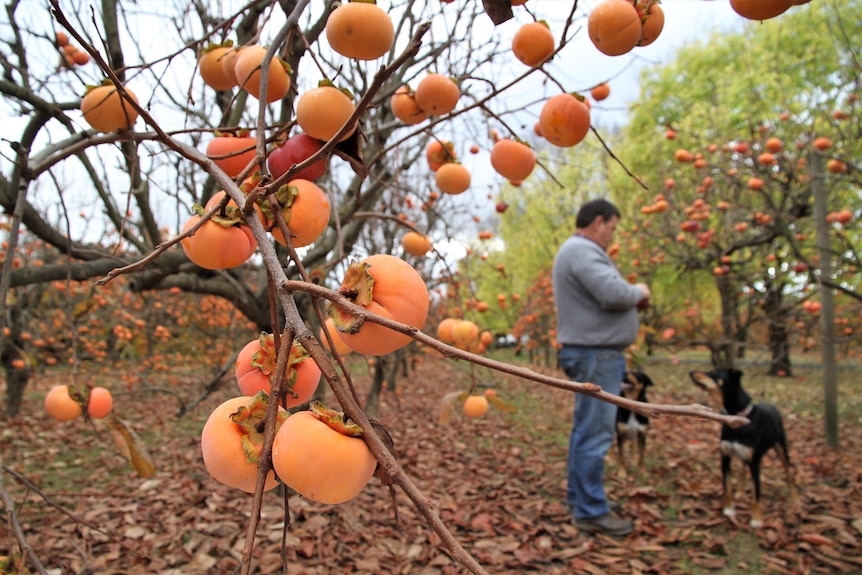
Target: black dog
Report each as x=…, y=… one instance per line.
x=633, y=426
x=750, y=442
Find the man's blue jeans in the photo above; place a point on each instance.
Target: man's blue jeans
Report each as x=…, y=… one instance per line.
x=593, y=428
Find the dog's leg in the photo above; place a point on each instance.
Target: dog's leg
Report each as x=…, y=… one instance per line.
x=756, y=509
x=789, y=471
x=641, y=442
x=621, y=458
x=727, y=501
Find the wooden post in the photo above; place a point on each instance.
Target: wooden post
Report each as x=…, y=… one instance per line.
x=827, y=311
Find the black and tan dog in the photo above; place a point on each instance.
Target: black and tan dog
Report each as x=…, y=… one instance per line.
x=750, y=442
x=632, y=427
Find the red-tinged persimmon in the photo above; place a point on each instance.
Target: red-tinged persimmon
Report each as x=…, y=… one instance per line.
x=760, y=9
x=600, y=92
x=219, y=243
x=614, y=27
x=81, y=58
x=322, y=457
x=767, y=158
x=512, y=159
x=360, y=30
x=100, y=402
x=452, y=178
x=755, y=184
x=438, y=153
x=231, y=153
x=341, y=347
x=652, y=21
x=564, y=120
x=106, y=110
x=405, y=108
x=836, y=166
x=387, y=286
x=247, y=70
x=533, y=43
x=682, y=155
x=62, y=403
x=232, y=441
x=774, y=145
x=211, y=70
x=475, y=406
x=416, y=244
x=322, y=111
x=437, y=94
x=255, y=368
x=822, y=143
x=293, y=151
x=61, y=38
x=306, y=210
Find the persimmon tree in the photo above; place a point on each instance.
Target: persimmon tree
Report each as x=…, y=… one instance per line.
x=153, y=204
x=723, y=140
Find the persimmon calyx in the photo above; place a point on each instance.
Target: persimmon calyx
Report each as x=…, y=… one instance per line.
x=227, y=217
x=249, y=418
x=326, y=83
x=212, y=46
x=266, y=357
x=358, y=287
x=335, y=420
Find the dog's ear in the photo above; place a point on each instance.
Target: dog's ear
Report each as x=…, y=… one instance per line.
x=645, y=379
x=703, y=380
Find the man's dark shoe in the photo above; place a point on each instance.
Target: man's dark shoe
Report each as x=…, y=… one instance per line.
x=607, y=523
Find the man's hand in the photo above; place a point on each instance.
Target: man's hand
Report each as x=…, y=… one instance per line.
x=647, y=294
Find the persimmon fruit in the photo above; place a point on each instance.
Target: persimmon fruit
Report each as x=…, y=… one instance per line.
x=404, y=106
x=293, y=151
x=247, y=70
x=360, y=30
x=760, y=9
x=219, y=244
x=445, y=329
x=600, y=92
x=822, y=143
x=475, y=406
x=106, y=110
x=321, y=457
x=255, y=367
x=61, y=405
x=614, y=27
x=232, y=441
x=321, y=112
x=341, y=347
x=533, y=43
x=387, y=286
x=228, y=63
x=512, y=159
x=437, y=94
x=211, y=70
x=564, y=120
x=231, y=153
x=438, y=153
x=465, y=333
x=652, y=21
x=452, y=178
x=100, y=402
x=416, y=244
x=306, y=210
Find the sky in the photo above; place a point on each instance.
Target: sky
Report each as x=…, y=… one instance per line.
x=578, y=66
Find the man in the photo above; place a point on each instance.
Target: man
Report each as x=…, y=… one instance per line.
x=596, y=321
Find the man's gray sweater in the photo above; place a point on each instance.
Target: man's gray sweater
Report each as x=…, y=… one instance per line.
x=596, y=306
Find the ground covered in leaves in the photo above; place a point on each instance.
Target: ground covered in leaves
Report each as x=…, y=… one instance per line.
x=497, y=482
